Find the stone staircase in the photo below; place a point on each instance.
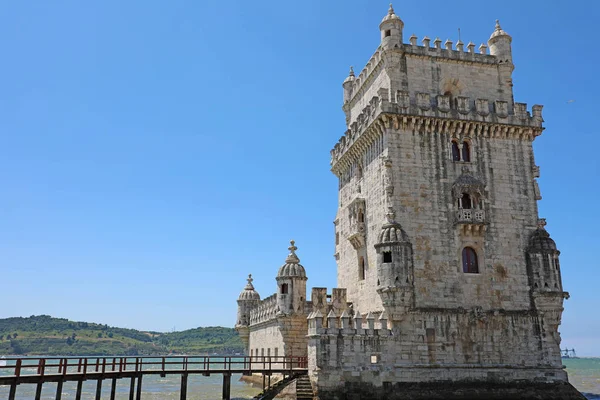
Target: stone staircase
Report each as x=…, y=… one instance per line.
x=304, y=389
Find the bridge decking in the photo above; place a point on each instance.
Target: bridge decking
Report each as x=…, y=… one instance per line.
x=64, y=369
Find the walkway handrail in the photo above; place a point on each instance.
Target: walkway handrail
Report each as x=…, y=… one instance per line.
x=40, y=366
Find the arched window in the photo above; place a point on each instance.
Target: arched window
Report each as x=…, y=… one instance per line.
x=361, y=216
x=361, y=268
x=284, y=288
x=455, y=151
x=466, y=152
x=465, y=201
x=469, y=260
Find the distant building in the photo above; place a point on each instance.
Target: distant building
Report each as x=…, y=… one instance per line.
x=447, y=276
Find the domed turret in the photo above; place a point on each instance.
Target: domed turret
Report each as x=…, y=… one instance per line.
x=291, y=283
x=348, y=82
x=391, y=30
x=500, y=44
x=247, y=300
x=394, y=255
x=542, y=261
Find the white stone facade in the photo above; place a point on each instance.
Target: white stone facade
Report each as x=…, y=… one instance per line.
x=446, y=272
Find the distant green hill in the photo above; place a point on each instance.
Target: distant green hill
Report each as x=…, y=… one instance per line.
x=44, y=335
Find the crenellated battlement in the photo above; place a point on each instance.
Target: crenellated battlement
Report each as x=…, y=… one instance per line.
x=459, y=116
x=448, y=53
x=348, y=323
x=265, y=311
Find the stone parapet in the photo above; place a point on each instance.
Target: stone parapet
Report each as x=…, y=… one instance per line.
x=265, y=311
x=376, y=61
x=461, y=115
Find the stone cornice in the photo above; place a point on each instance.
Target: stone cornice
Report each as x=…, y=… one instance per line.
x=422, y=113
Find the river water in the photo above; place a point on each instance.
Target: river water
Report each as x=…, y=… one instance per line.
x=584, y=374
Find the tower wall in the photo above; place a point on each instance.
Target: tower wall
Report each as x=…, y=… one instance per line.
x=437, y=150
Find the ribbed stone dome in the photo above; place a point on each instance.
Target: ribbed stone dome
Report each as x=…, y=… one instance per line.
x=392, y=233
x=540, y=241
x=499, y=32
x=351, y=77
x=249, y=293
x=391, y=16
x=292, y=266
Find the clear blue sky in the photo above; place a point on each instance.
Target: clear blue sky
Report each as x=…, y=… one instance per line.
x=153, y=153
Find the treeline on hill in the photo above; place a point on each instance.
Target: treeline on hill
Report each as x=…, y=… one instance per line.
x=44, y=335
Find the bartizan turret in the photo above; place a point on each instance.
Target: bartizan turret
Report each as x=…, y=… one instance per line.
x=291, y=284
x=395, y=271
x=247, y=300
x=500, y=46
x=545, y=283
x=391, y=27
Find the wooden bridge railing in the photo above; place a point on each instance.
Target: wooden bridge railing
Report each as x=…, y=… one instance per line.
x=37, y=370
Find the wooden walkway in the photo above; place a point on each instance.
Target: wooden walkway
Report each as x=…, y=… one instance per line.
x=79, y=369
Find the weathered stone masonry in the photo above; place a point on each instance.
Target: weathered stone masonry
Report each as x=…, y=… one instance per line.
x=447, y=274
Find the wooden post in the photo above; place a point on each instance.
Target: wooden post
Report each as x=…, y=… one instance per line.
x=132, y=389
x=13, y=390
x=113, y=389
x=59, y=386
x=183, y=393
x=226, y=386
x=139, y=388
x=99, y=390
x=38, y=391
x=79, y=387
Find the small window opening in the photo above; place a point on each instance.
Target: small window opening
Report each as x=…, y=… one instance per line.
x=276, y=351
x=337, y=238
x=378, y=282
x=361, y=216
x=465, y=201
x=455, y=151
x=469, y=259
x=284, y=288
x=374, y=359
x=361, y=268
x=387, y=256
x=388, y=33
x=466, y=152
x=546, y=284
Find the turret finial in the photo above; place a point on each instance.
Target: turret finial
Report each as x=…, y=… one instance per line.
x=351, y=73
x=541, y=223
x=249, y=285
x=498, y=25
x=390, y=215
x=292, y=257
x=391, y=10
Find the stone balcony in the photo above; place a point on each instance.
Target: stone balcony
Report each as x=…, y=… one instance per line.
x=356, y=235
x=471, y=221
x=464, y=216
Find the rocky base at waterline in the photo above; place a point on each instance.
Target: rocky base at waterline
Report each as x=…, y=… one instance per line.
x=454, y=391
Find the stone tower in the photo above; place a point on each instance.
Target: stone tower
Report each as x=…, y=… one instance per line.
x=437, y=226
x=291, y=284
x=247, y=300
